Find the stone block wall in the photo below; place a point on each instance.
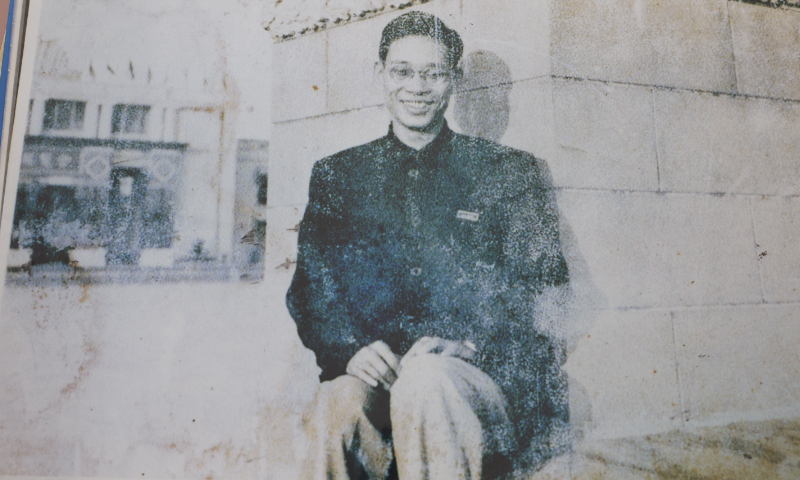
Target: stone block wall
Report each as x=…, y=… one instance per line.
x=672, y=131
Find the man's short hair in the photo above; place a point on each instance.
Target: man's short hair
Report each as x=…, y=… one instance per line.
x=422, y=24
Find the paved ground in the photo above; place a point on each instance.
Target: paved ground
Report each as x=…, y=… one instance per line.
x=170, y=380
x=206, y=381
x=747, y=451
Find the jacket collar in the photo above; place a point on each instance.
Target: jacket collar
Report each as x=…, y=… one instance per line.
x=430, y=150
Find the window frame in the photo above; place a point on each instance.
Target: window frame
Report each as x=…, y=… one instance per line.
x=53, y=116
x=125, y=115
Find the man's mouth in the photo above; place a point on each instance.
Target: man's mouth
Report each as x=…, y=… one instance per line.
x=417, y=106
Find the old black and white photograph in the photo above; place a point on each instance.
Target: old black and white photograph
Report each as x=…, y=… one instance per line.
x=417, y=239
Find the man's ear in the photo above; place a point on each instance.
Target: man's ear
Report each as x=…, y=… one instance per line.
x=378, y=69
x=458, y=77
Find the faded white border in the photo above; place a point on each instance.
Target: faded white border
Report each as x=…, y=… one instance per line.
x=10, y=477
x=14, y=158
x=13, y=58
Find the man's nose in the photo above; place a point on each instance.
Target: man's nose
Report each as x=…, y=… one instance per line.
x=417, y=84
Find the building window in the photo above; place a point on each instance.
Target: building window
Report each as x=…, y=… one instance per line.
x=129, y=119
x=64, y=115
x=261, y=185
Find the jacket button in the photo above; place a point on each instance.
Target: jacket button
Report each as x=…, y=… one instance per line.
x=416, y=271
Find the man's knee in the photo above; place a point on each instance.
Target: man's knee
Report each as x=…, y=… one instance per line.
x=340, y=401
x=425, y=375
x=349, y=390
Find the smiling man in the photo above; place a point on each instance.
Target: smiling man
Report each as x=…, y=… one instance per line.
x=423, y=257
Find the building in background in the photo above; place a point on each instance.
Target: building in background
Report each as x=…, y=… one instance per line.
x=133, y=166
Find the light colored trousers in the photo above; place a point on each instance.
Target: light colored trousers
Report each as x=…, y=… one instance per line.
x=443, y=419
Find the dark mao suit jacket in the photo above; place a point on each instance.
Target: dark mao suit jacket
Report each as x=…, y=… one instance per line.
x=457, y=241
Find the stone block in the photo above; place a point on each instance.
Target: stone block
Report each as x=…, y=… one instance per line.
x=626, y=365
x=709, y=143
x=604, y=136
x=529, y=107
x=353, y=52
x=600, y=40
x=352, y=55
x=655, y=42
x=766, y=42
x=298, y=145
x=738, y=360
x=300, y=83
x=518, y=115
x=505, y=41
x=777, y=228
x=645, y=249
x=691, y=44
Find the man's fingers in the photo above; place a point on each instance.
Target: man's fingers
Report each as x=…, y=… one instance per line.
x=373, y=364
x=387, y=355
x=417, y=345
x=367, y=364
x=451, y=349
x=385, y=373
x=459, y=350
x=427, y=345
x=372, y=375
x=376, y=361
x=373, y=372
x=446, y=348
x=415, y=349
x=422, y=346
x=360, y=366
x=362, y=375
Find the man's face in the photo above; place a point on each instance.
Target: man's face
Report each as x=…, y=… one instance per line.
x=417, y=81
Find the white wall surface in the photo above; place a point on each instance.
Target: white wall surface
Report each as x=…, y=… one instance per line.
x=671, y=132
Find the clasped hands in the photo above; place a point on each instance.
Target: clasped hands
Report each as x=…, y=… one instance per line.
x=377, y=364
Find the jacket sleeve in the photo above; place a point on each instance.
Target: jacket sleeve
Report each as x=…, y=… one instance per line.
x=314, y=297
x=524, y=351
x=532, y=266
x=531, y=246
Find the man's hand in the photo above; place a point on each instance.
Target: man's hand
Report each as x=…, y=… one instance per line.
x=447, y=348
x=373, y=364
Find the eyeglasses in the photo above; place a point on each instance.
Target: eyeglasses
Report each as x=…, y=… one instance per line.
x=430, y=76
